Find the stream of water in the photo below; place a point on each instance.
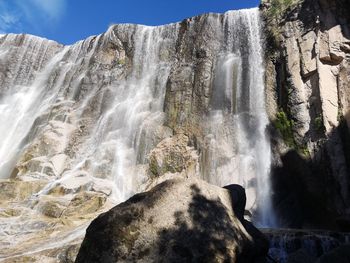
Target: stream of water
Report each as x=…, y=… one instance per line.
x=85, y=117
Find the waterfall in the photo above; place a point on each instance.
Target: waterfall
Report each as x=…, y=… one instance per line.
x=20, y=105
x=239, y=147
x=86, y=116
x=116, y=111
x=138, y=106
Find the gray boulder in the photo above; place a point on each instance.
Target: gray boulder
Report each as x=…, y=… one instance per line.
x=182, y=220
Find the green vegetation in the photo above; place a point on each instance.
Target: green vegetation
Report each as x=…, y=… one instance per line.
x=274, y=15
x=340, y=115
x=319, y=124
x=121, y=61
x=285, y=127
x=278, y=8
x=304, y=150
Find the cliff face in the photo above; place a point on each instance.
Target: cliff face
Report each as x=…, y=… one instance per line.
x=86, y=126
x=308, y=74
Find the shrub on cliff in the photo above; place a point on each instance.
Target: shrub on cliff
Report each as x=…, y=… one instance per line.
x=274, y=11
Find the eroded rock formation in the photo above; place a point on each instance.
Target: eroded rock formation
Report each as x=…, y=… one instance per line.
x=308, y=92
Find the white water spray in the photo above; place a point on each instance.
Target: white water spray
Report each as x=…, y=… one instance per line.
x=84, y=117
x=239, y=148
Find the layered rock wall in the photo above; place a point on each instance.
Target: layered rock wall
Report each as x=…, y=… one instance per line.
x=308, y=84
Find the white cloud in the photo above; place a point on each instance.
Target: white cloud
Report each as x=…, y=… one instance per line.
x=8, y=18
x=21, y=15
x=54, y=9
x=8, y=21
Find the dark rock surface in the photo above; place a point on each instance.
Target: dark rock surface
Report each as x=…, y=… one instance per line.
x=307, y=81
x=177, y=221
x=303, y=246
x=339, y=255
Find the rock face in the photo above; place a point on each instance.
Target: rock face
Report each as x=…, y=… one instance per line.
x=182, y=220
x=173, y=155
x=45, y=229
x=86, y=126
x=308, y=91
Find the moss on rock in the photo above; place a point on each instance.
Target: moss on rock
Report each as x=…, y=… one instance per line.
x=285, y=126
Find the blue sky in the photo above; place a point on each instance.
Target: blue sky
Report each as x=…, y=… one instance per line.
x=68, y=21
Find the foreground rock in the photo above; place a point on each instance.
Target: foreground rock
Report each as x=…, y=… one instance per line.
x=183, y=220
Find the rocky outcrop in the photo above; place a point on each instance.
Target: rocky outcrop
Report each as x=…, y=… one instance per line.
x=308, y=77
x=182, y=220
x=42, y=225
x=173, y=155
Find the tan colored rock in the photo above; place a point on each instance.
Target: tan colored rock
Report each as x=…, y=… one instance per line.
x=65, y=254
x=48, y=228
x=308, y=53
x=51, y=207
x=315, y=95
x=16, y=190
x=58, y=163
x=323, y=44
x=329, y=96
x=271, y=90
x=335, y=43
x=331, y=45
x=85, y=203
x=344, y=92
x=173, y=155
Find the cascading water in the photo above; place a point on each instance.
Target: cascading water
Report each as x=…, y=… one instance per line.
x=239, y=147
x=134, y=103
x=83, y=118
x=82, y=122
x=137, y=106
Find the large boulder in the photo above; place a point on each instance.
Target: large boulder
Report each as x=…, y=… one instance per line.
x=181, y=220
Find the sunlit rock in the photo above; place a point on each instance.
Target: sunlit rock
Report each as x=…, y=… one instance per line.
x=177, y=221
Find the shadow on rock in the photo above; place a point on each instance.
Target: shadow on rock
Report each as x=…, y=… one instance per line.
x=205, y=238
x=177, y=221
x=314, y=192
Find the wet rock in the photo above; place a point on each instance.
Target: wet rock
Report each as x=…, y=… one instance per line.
x=173, y=155
x=300, y=256
x=288, y=245
x=16, y=190
x=51, y=208
x=86, y=203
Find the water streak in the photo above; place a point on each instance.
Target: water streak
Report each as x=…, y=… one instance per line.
x=239, y=148
x=85, y=117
